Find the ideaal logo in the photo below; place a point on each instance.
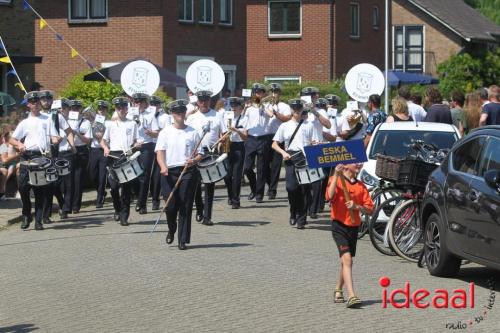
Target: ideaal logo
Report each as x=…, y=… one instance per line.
x=440, y=299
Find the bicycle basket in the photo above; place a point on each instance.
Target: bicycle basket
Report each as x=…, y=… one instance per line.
x=387, y=167
x=414, y=173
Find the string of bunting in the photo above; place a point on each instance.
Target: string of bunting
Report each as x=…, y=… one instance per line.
x=74, y=53
x=7, y=60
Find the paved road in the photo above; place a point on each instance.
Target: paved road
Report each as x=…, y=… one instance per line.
x=250, y=272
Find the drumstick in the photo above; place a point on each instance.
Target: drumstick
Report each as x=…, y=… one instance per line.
x=177, y=183
x=347, y=196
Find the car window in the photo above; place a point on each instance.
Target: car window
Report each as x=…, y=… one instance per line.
x=490, y=159
x=464, y=158
x=396, y=143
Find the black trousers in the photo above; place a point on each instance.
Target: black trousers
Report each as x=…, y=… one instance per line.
x=275, y=161
x=233, y=179
x=198, y=198
x=155, y=186
x=79, y=173
x=65, y=188
x=40, y=192
x=146, y=160
x=121, y=201
x=314, y=196
x=296, y=195
x=324, y=184
x=257, y=147
x=98, y=171
x=179, y=209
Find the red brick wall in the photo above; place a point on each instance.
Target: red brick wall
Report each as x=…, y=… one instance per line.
x=227, y=44
x=369, y=47
x=308, y=56
x=131, y=31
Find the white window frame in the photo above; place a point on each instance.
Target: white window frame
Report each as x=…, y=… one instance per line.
x=359, y=20
x=192, y=12
x=283, y=78
x=282, y=35
x=88, y=19
x=231, y=71
x=230, y=13
x=424, y=62
x=211, y=15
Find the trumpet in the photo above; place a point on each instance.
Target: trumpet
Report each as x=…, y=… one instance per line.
x=354, y=118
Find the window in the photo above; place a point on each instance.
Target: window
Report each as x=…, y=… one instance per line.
x=464, y=158
x=354, y=11
x=5, y=2
x=186, y=10
x=82, y=11
x=491, y=157
x=375, y=18
x=283, y=79
x=206, y=11
x=284, y=19
x=226, y=12
x=409, y=48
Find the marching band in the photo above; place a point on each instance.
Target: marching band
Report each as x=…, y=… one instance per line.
x=177, y=154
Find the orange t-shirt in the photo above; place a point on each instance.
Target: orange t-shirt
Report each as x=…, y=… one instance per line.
x=358, y=193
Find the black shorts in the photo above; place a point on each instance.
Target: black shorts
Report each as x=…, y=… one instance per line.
x=345, y=237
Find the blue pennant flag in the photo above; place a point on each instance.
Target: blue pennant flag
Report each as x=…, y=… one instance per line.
x=26, y=5
x=11, y=72
x=59, y=37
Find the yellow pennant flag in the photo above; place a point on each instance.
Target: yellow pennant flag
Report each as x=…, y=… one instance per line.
x=43, y=23
x=5, y=60
x=20, y=85
x=74, y=53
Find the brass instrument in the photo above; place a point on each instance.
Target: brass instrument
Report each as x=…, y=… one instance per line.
x=89, y=114
x=354, y=118
x=98, y=128
x=227, y=145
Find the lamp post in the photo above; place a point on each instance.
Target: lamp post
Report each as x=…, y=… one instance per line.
x=386, y=59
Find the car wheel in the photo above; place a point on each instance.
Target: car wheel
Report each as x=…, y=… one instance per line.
x=440, y=262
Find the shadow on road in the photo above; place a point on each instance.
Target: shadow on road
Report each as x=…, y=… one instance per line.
x=481, y=276
x=211, y=246
x=243, y=223
x=22, y=328
x=262, y=206
x=83, y=223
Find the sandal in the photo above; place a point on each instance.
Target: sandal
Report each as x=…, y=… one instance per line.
x=354, y=302
x=338, y=296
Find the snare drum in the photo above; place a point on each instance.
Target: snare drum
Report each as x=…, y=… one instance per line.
x=127, y=170
x=37, y=171
x=62, y=167
x=51, y=174
x=213, y=168
x=306, y=175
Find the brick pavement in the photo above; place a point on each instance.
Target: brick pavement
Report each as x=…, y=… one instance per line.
x=250, y=272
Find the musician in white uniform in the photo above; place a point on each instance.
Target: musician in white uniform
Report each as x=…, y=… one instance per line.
x=257, y=145
x=295, y=134
x=98, y=162
x=146, y=136
x=120, y=135
x=174, y=150
x=163, y=119
x=236, y=155
x=198, y=120
x=83, y=133
x=279, y=113
x=38, y=132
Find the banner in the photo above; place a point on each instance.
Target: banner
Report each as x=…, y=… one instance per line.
x=331, y=154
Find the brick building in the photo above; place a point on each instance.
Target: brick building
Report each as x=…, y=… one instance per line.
x=427, y=32
x=312, y=40
x=17, y=31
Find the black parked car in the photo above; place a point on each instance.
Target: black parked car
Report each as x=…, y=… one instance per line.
x=461, y=207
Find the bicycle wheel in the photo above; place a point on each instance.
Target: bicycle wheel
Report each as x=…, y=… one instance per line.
x=378, y=225
x=379, y=195
x=405, y=232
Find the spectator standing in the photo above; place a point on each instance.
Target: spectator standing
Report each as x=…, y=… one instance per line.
x=399, y=111
x=375, y=116
x=490, y=114
x=472, y=109
x=438, y=112
x=415, y=110
x=457, y=111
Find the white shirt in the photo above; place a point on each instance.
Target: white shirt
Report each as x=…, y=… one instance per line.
x=416, y=111
x=345, y=127
x=258, y=121
x=275, y=123
x=241, y=120
x=178, y=144
x=147, y=120
x=83, y=127
x=303, y=138
x=36, y=131
x=200, y=119
x=318, y=127
x=120, y=135
x=164, y=119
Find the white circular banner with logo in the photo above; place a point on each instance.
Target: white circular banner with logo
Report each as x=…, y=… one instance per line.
x=140, y=77
x=364, y=80
x=205, y=74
